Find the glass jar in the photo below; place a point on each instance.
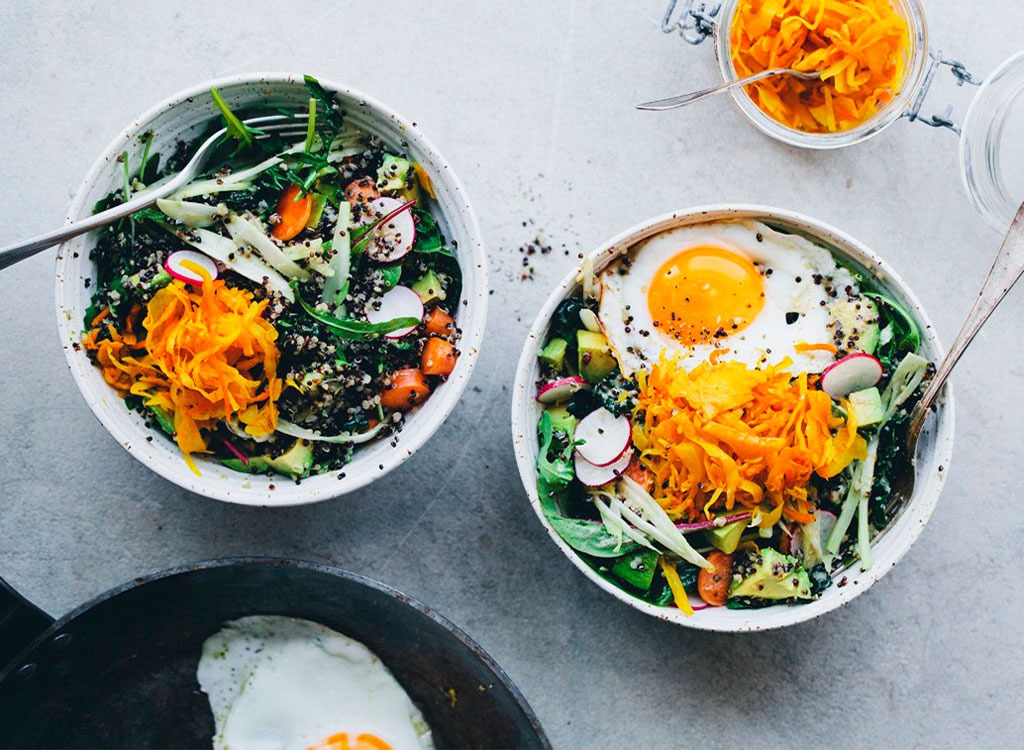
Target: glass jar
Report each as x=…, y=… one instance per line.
x=992, y=136
x=916, y=67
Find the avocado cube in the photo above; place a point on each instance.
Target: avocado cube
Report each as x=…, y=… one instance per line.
x=295, y=462
x=553, y=354
x=867, y=406
x=727, y=537
x=256, y=465
x=393, y=173
x=562, y=420
x=773, y=576
x=429, y=288
x=636, y=569
x=858, y=324
x=595, y=357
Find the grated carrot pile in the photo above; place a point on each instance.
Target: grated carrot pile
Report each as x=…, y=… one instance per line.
x=724, y=435
x=860, y=48
x=206, y=355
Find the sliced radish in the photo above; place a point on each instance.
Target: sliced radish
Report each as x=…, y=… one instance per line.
x=174, y=267
x=393, y=238
x=560, y=390
x=595, y=476
x=400, y=302
x=852, y=373
x=604, y=437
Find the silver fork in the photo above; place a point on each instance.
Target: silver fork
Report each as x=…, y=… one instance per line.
x=695, y=96
x=280, y=125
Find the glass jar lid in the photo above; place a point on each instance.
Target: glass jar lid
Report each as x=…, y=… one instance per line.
x=992, y=144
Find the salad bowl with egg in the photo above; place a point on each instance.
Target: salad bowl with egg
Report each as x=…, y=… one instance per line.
x=708, y=417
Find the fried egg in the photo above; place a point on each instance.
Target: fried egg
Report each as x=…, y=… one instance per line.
x=278, y=683
x=755, y=294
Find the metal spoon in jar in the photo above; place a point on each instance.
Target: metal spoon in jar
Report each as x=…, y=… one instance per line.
x=682, y=101
x=1007, y=268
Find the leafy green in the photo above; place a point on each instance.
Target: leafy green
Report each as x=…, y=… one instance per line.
x=428, y=234
x=581, y=403
x=566, y=319
x=235, y=127
x=616, y=393
x=354, y=329
x=556, y=471
x=590, y=537
x=899, y=333
x=332, y=115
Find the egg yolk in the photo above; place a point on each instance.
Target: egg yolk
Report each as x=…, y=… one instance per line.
x=341, y=741
x=705, y=293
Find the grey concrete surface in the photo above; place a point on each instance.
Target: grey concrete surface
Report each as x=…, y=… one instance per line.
x=532, y=104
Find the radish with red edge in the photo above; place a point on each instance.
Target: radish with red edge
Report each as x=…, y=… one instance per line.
x=393, y=237
x=173, y=266
x=603, y=437
x=561, y=389
x=852, y=373
x=400, y=302
x=597, y=476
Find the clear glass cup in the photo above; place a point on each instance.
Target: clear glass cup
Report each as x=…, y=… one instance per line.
x=917, y=66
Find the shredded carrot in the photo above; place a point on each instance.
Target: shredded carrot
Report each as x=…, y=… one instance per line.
x=202, y=355
x=861, y=48
x=100, y=317
x=805, y=347
x=724, y=435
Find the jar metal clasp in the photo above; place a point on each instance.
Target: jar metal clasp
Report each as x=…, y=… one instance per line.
x=694, y=23
x=962, y=76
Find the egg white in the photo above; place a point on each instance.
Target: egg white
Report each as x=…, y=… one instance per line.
x=277, y=682
x=798, y=277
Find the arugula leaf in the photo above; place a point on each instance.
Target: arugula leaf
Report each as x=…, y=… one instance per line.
x=899, y=333
x=557, y=472
x=332, y=113
x=235, y=127
x=354, y=329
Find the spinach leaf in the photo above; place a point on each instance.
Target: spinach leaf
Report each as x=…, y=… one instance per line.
x=590, y=537
x=899, y=334
x=428, y=235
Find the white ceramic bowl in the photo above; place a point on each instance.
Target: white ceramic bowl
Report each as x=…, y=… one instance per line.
x=184, y=116
x=935, y=448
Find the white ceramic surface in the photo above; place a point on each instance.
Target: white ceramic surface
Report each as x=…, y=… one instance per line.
x=935, y=448
x=183, y=116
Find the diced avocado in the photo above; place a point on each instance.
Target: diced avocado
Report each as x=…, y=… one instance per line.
x=856, y=324
x=637, y=569
x=562, y=420
x=727, y=537
x=867, y=406
x=295, y=462
x=595, y=357
x=256, y=465
x=769, y=574
x=165, y=420
x=316, y=211
x=429, y=288
x=554, y=353
x=393, y=174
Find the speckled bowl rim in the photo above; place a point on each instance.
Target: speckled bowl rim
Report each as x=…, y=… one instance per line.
x=217, y=482
x=935, y=449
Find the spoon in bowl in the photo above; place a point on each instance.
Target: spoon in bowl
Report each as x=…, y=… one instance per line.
x=693, y=96
x=1007, y=268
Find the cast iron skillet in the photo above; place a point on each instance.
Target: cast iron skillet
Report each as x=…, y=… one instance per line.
x=120, y=671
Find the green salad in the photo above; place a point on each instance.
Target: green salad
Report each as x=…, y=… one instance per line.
x=294, y=302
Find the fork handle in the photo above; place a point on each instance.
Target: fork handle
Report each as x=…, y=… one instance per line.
x=19, y=251
x=1007, y=268
x=693, y=96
